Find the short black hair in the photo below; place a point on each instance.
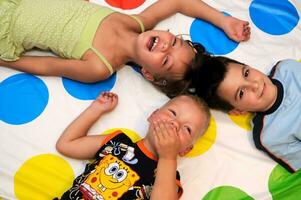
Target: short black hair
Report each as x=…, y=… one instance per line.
x=207, y=80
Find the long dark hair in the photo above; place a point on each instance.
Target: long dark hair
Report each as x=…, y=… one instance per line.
x=174, y=88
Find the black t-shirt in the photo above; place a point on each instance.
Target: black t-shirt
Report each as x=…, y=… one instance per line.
x=121, y=170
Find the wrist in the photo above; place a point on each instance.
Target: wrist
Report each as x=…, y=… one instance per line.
x=171, y=164
x=170, y=154
x=169, y=159
x=222, y=22
x=97, y=108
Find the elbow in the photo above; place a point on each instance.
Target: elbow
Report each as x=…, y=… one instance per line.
x=60, y=147
x=88, y=78
x=94, y=74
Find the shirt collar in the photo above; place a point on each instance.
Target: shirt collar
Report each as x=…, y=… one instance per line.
x=279, y=98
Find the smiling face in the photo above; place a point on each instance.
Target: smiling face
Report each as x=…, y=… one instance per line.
x=162, y=54
x=186, y=117
x=247, y=89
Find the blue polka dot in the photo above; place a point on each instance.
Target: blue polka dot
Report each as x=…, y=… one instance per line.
x=214, y=39
x=274, y=17
x=88, y=91
x=23, y=97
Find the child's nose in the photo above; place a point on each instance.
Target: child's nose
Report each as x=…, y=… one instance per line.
x=164, y=47
x=254, y=85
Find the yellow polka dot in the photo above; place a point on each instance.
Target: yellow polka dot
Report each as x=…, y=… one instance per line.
x=243, y=121
x=43, y=177
x=205, y=142
x=131, y=134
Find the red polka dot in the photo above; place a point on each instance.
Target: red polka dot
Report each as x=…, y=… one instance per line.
x=114, y=194
x=125, y=4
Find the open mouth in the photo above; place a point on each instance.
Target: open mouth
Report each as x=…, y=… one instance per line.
x=152, y=43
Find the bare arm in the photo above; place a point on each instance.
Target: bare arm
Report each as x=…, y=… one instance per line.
x=236, y=29
x=167, y=145
x=80, y=70
x=74, y=142
x=162, y=9
x=165, y=184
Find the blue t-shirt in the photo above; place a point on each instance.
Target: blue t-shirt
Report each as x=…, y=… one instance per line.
x=277, y=131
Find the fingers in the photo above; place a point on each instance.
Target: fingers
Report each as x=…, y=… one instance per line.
x=166, y=140
x=242, y=34
x=246, y=31
x=105, y=102
x=238, y=30
x=107, y=96
x=245, y=23
x=164, y=131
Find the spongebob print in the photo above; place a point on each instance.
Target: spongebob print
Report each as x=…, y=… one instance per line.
x=110, y=179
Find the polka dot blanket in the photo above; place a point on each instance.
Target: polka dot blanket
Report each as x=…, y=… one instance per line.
x=224, y=164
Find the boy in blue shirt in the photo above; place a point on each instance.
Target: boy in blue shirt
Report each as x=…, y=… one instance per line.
x=236, y=88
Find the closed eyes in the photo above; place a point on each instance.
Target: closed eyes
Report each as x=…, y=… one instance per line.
x=174, y=41
x=165, y=60
x=173, y=112
x=188, y=129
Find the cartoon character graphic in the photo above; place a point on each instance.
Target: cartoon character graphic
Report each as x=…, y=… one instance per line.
x=143, y=192
x=109, y=181
x=116, y=148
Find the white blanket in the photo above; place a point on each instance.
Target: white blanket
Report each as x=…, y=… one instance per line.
x=34, y=111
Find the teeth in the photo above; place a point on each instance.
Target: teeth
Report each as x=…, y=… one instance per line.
x=155, y=43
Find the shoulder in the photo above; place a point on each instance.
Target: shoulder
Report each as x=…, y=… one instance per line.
x=289, y=64
x=97, y=64
x=285, y=68
x=118, y=136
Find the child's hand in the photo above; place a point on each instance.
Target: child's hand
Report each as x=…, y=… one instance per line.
x=105, y=102
x=236, y=29
x=167, y=142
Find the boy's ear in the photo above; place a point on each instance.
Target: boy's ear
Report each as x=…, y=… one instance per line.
x=235, y=111
x=183, y=153
x=147, y=74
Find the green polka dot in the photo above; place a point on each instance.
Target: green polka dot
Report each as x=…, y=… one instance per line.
x=227, y=193
x=284, y=185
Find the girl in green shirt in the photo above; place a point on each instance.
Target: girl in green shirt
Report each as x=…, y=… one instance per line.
x=93, y=41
